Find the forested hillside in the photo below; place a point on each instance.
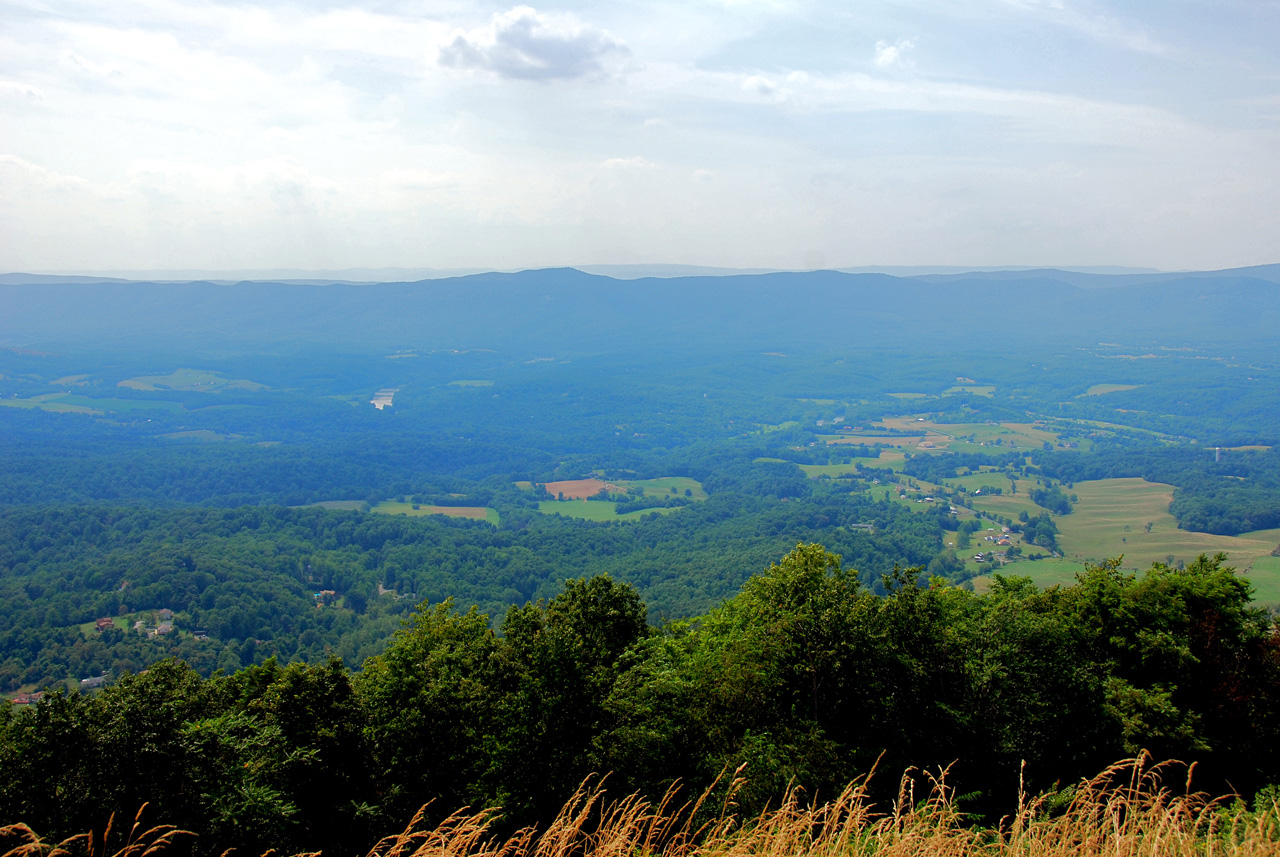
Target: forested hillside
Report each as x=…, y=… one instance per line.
x=804, y=677
x=250, y=578
x=589, y=313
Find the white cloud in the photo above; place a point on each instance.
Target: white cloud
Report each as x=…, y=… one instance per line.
x=526, y=45
x=888, y=55
x=626, y=163
x=13, y=89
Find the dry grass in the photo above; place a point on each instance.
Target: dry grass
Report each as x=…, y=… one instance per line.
x=21, y=841
x=1126, y=811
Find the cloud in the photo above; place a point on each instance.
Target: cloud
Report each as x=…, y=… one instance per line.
x=12, y=89
x=888, y=55
x=526, y=45
x=759, y=85
x=626, y=163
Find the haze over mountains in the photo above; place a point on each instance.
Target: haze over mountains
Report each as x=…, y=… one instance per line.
x=567, y=310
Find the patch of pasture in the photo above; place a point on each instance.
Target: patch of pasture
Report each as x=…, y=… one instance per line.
x=667, y=486
x=413, y=510
x=972, y=481
x=190, y=380
x=471, y=383
x=338, y=505
x=121, y=405
x=1009, y=505
x=890, y=459
x=985, y=435
x=908, y=395
x=1044, y=573
x=1103, y=389
x=1264, y=574
x=1122, y=427
x=987, y=390
x=49, y=403
x=596, y=510
x=908, y=441
x=204, y=435
x=74, y=403
x=832, y=471
x=1112, y=518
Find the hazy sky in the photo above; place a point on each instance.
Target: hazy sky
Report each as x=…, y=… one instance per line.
x=321, y=135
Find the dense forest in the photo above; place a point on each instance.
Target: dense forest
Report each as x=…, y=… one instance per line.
x=248, y=578
x=803, y=677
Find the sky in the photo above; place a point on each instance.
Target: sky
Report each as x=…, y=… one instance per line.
x=161, y=134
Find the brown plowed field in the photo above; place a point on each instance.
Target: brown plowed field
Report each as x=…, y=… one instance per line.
x=581, y=489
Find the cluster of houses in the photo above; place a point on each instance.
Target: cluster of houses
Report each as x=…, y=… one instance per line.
x=28, y=698
x=1002, y=539
x=163, y=626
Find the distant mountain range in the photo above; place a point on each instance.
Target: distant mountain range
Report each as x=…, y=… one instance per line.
x=566, y=310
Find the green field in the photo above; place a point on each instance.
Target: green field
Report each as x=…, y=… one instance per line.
x=197, y=434
x=661, y=487
x=815, y=471
x=1103, y=389
x=189, y=380
x=909, y=395
x=996, y=479
x=52, y=403
x=595, y=510
x=70, y=381
x=74, y=403
x=1008, y=505
x=922, y=435
x=120, y=405
x=476, y=383
x=987, y=390
x=1265, y=577
x=1112, y=516
x=399, y=507
x=1043, y=573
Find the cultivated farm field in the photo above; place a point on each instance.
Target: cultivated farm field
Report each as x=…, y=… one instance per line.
x=1043, y=573
x=1111, y=519
x=190, y=380
x=581, y=489
x=475, y=513
x=596, y=510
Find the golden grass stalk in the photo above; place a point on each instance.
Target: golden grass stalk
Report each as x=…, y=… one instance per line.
x=22, y=841
x=1126, y=811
